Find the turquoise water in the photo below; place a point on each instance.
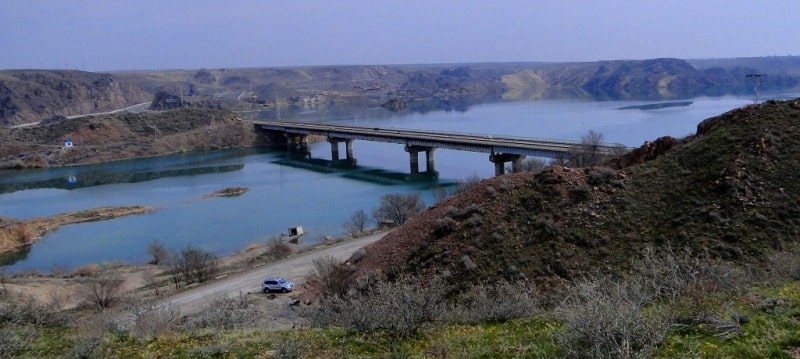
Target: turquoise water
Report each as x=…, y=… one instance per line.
x=285, y=192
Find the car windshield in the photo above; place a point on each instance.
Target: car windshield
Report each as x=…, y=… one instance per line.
x=281, y=281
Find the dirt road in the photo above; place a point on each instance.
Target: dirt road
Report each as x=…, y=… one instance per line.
x=295, y=268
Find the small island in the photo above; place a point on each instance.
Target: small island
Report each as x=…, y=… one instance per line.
x=227, y=192
x=656, y=106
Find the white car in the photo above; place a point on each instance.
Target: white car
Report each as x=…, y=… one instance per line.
x=276, y=284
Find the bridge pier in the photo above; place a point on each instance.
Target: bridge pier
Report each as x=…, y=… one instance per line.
x=350, y=160
x=413, y=153
x=297, y=142
x=500, y=159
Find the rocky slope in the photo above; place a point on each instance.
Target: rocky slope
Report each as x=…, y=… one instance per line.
x=33, y=95
x=123, y=136
x=729, y=191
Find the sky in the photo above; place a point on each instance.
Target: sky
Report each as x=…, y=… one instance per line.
x=108, y=35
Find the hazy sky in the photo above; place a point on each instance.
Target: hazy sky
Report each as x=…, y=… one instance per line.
x=98, y=35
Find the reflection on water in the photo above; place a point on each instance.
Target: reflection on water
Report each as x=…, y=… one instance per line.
x=91, y=178
x=15, y=256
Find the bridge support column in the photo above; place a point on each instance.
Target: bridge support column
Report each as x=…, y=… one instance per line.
x=350, y=161
x=298, y=143
x=413, y=152
x=500, y=159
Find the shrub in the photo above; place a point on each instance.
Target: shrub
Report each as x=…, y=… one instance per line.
x=398, y=208
x=225, y=313
x=158, y=251
x=103, y=288
x=151, y=319
x=397, y=308
x=601, y=176
x=498, y=302
x=278, y=248
x=605, y=319
x=87, y=270
x=16, y=338
x=357, y=223
x=198, y=264
x=444, y=226
x=581, y=192
x=332, y=280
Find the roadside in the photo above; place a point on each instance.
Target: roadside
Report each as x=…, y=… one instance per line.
x=65, y=290
x=296, y=268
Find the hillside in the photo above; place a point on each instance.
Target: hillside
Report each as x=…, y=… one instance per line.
x=123, y=135
x=730, y=191
x=33, y=95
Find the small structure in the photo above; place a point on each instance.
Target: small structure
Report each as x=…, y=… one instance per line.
x=68, y=143
x=296, y=231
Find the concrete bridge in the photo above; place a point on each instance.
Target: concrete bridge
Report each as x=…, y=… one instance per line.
x=501, y=149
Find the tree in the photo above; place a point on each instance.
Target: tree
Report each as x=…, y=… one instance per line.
x=357, y=223
x=398, y=208
x=587, y=153
x=103, y=288
x=198, y=264
x=158, y=251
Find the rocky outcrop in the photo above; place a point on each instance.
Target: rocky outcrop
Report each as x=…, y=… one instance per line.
x=163, y=101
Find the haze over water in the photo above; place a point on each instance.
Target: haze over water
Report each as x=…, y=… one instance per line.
x=288, y=193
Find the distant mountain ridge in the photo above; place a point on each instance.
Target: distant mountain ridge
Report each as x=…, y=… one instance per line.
x=33, y=95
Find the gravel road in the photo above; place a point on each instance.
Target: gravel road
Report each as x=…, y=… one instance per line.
x=295, y=268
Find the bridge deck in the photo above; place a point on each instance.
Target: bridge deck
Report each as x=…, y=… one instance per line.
x=449, y=140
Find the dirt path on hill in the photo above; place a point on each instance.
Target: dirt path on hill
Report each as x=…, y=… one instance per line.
x=295, y=268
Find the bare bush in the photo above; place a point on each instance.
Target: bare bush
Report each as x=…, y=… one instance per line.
x=290, y=347
x=277, y=248
x=601, y=176
x=398, y=208
x=398, y=308
x=26, y=310
x=670, y=274
x=328, y=276
x=605, y=319
x=498, y=302
x=158, y=251
x=785, y=265
x=198, y=264
x=16, y=338
x=357, y=223
x=225, y=313
x=103, y=288
x=152, y=318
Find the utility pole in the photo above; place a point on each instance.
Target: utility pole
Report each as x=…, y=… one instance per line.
x=756, y=78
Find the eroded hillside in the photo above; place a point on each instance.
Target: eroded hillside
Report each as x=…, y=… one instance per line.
x=33, y=95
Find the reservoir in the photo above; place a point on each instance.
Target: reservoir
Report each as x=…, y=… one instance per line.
x=286, y=192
